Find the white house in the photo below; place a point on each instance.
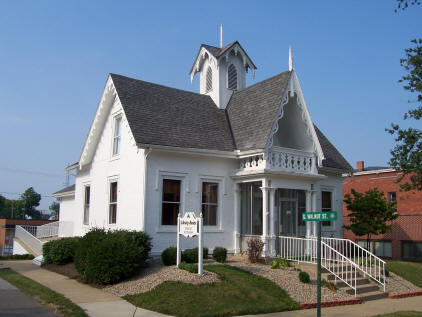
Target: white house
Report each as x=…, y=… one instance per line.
x=249, y=158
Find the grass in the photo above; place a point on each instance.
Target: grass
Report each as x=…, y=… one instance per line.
x=411, y=271
x=402, y=314
x=238, y=293
x=43, y=295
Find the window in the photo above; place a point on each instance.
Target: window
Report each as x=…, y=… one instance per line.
x=326, y=205
x=86, y=204
x=411, y=250
x=208, y=83
x=383, y=249
x=116, y=137
x=251, y=208
x=209, y=203
x=391, y=197
x=112, y=215
x=232, y=77
x=170, y=202
x=301, y=206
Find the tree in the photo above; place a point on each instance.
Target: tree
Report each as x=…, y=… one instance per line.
x=370, y=213
x=55, y=209
x=31, y=199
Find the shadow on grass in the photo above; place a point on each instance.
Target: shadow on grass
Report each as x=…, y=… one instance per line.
x=238, y=293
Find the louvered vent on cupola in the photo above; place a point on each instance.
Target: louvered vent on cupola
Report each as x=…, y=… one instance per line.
x=208, y=86
x=232, y=78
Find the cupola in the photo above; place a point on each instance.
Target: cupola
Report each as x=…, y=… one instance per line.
x=222, y=71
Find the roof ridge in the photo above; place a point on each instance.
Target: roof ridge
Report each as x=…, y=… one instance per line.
x=160, y=85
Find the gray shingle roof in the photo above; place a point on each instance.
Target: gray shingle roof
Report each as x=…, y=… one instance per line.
x=160, y=115
x=67, y=189
x=253, y=110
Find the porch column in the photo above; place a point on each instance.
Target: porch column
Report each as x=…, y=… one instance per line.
x=264, y=189
x=236, y=218
x=272, y=228
x=308, y=209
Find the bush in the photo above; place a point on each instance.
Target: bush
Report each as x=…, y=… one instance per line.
x=278, y=263
x=169, y=256
x=17, y=257
x=255, y=247
x=304, y=277
x=60, y=251
x=191, y=255
x=219, y=254
x=190, y=267
x=387, y=273
x=107, y=257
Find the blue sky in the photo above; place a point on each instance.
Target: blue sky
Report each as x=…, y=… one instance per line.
x=55, y=57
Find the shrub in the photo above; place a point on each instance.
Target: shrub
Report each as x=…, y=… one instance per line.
x=191, y=255
x=255, y=247
x=387, y=273
x=330, y=285
x=304, y=277
x=219, y=254
x=17, y=257
x=169, y=256
x=278, y=263
x=60, y=251
x=190, y=267
x=107, y=257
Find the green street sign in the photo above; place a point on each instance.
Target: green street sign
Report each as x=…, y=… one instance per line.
x=320, y=216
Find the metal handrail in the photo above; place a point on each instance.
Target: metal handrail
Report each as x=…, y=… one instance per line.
x=29, y=239
x=48, y=230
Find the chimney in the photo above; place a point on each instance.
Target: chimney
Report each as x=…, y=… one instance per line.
x=360, y=166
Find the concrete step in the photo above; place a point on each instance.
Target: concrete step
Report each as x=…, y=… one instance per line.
x=373, y=295
x=345, y=275
x=359, y=281
x=363, y=289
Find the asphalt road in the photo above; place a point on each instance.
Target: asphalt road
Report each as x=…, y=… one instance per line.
x=15, y=303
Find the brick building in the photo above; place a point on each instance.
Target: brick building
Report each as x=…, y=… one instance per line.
x=405, y=239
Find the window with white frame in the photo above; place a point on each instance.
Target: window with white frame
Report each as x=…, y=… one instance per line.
x=170, y=206
x=116, y=135
x=210, y=203
x=232, y=77
x=87, y=199
x=326, y=204
x=208, y=82
x=112, y=214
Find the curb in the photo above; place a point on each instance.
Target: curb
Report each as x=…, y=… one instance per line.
x=332, y=303
x=403, y=295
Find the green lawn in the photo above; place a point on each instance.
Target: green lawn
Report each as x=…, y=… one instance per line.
x=238, y=293
x=402, y=314
x=43, y=295
x=411, y=271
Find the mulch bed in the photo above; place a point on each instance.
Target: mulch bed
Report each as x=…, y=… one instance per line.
x=68, y=270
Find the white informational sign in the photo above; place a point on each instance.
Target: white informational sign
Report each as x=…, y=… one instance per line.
x=190, y=226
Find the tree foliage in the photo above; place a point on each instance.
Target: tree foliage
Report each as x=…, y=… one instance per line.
x=55, y=208
x=20, y=208
x=404, y=4
x=370, y=213
x=407, y=153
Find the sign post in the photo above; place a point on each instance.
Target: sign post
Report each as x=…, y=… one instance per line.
x=319, y=216
x=190, y=226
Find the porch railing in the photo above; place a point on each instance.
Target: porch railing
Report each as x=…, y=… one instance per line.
x=280, y=159
x=341, y=257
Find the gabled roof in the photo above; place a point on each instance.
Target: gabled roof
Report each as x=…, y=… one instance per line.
x=252, y=111
x=67, y=190
x=160, y=115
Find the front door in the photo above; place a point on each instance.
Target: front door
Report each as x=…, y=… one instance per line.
x=288, y=217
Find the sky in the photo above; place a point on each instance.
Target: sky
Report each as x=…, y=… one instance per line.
x=55, y=57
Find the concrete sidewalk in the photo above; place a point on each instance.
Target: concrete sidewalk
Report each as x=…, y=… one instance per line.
x=370, y=308
x=95, y=302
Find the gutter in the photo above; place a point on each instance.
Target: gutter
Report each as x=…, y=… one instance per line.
x=146, y=154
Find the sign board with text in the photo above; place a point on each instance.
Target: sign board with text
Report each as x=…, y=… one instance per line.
x=319, y=216
x=189, y=225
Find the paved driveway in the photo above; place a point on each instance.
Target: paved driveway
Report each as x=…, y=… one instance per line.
x=15, y=303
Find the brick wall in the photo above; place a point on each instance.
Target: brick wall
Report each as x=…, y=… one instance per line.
x=407, y=227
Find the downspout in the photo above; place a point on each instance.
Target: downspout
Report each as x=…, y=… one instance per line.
x=146, y=154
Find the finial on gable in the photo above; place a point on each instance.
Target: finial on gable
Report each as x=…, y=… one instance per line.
x=221, y=35
x=290, y=59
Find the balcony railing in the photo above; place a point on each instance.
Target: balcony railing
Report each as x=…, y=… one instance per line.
x=280, y=159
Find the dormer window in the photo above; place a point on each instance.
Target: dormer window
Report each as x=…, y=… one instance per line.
x=232, y=77
x=116, y=135
x=208, y=83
